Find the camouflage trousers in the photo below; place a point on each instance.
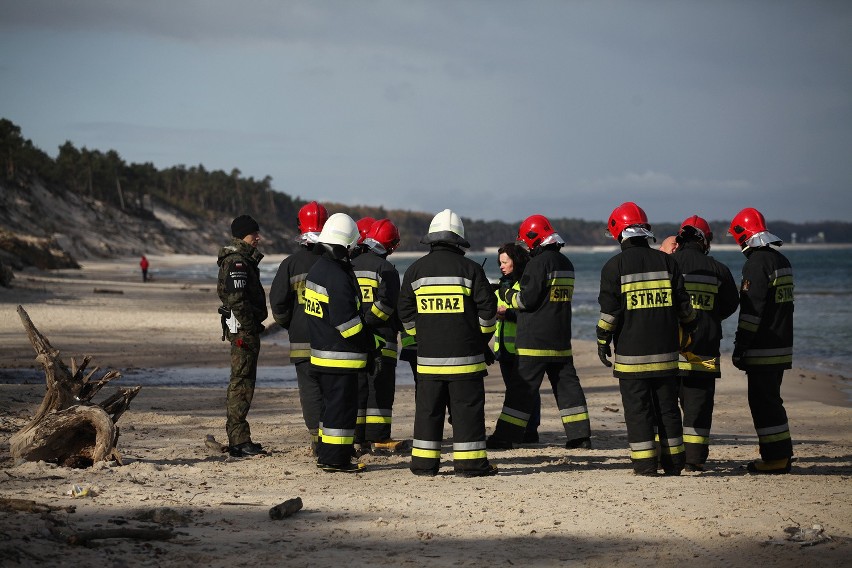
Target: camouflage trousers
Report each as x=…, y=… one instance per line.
x=245, y=348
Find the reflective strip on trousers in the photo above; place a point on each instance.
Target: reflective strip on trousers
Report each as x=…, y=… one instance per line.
x=696, y=435
x=575, y=414
x=774, y=433
x=426, y=449
x=469, y=450
x=515, y=417
x=671, y=446
x=643, y=450
x=379, y=416
x=337, y=436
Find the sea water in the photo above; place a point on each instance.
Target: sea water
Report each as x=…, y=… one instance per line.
x=823, y=296
x=823, y=300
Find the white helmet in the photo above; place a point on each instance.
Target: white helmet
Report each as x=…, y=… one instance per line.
x=446, y=227
x=341, y=230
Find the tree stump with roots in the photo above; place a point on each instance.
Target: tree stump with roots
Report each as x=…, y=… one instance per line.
x=68, y=428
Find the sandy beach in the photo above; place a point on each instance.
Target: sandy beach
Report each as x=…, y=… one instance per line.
x=547, y=507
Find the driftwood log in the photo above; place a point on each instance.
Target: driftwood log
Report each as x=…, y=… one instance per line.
x=285, y=509
x=68, y=428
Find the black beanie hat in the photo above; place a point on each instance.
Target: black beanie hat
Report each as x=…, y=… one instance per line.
x=244, y=225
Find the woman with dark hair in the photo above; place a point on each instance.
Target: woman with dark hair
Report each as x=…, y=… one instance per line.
x=512, y=259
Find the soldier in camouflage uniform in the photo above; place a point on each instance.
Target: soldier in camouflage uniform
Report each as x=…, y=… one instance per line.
x=243, y=311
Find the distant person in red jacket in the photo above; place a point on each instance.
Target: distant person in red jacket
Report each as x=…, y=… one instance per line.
x=143, y=264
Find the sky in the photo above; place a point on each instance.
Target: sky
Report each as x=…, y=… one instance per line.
x=496, y=109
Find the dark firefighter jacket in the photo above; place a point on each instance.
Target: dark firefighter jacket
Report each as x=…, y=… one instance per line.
x=379, y=284
x=239, y=286
x=446, y=303
x=642, y=299
x=287, y=300
x=339, y=340
x=712, y=289
x=764, y=338
x=544, y=306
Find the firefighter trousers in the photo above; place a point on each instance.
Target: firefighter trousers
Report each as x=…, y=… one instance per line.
x=375, y=403
x=340, y=409
x=651, y=409
x=521, y=398
x=768, y=414
x=245, y=348
x=466, y=395
x=696, y=400
x=310, y=397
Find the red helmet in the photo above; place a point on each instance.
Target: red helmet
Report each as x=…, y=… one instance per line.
x=700, y=226
x=312, y=217
x=385, y=233
x=364, y=224
x=626, y=215
x=533, y=231
x=746, y=224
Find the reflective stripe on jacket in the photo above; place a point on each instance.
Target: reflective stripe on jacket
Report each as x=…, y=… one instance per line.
x=543, y=301
x=712, y=290
x=447, y=305
x=764, y=338
x=339, y=341
x=287, y=300
x=642, y=299
x=379, y=284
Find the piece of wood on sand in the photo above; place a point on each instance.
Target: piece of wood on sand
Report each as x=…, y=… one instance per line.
x=68, y=428
x=285, y=509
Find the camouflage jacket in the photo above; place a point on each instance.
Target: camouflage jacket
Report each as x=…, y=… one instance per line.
x=239, y=286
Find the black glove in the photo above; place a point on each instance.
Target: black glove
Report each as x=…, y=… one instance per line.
x=501, y=293
x=489, y=356
x=737, y=360
x=603, y=352
x=684, y=339
x=374, y=363
x=690, y=327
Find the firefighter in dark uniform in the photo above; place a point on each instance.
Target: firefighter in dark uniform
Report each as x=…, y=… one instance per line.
x=643, y=299
x=543, y=340
x=243, y=312
x=341, y=345
x=362, y=446
x=447, y=304
x=713, y=291
x=379, y=283
x=763, y=346
x=287, y=300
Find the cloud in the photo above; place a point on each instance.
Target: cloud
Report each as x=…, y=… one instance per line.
x=651, y=182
